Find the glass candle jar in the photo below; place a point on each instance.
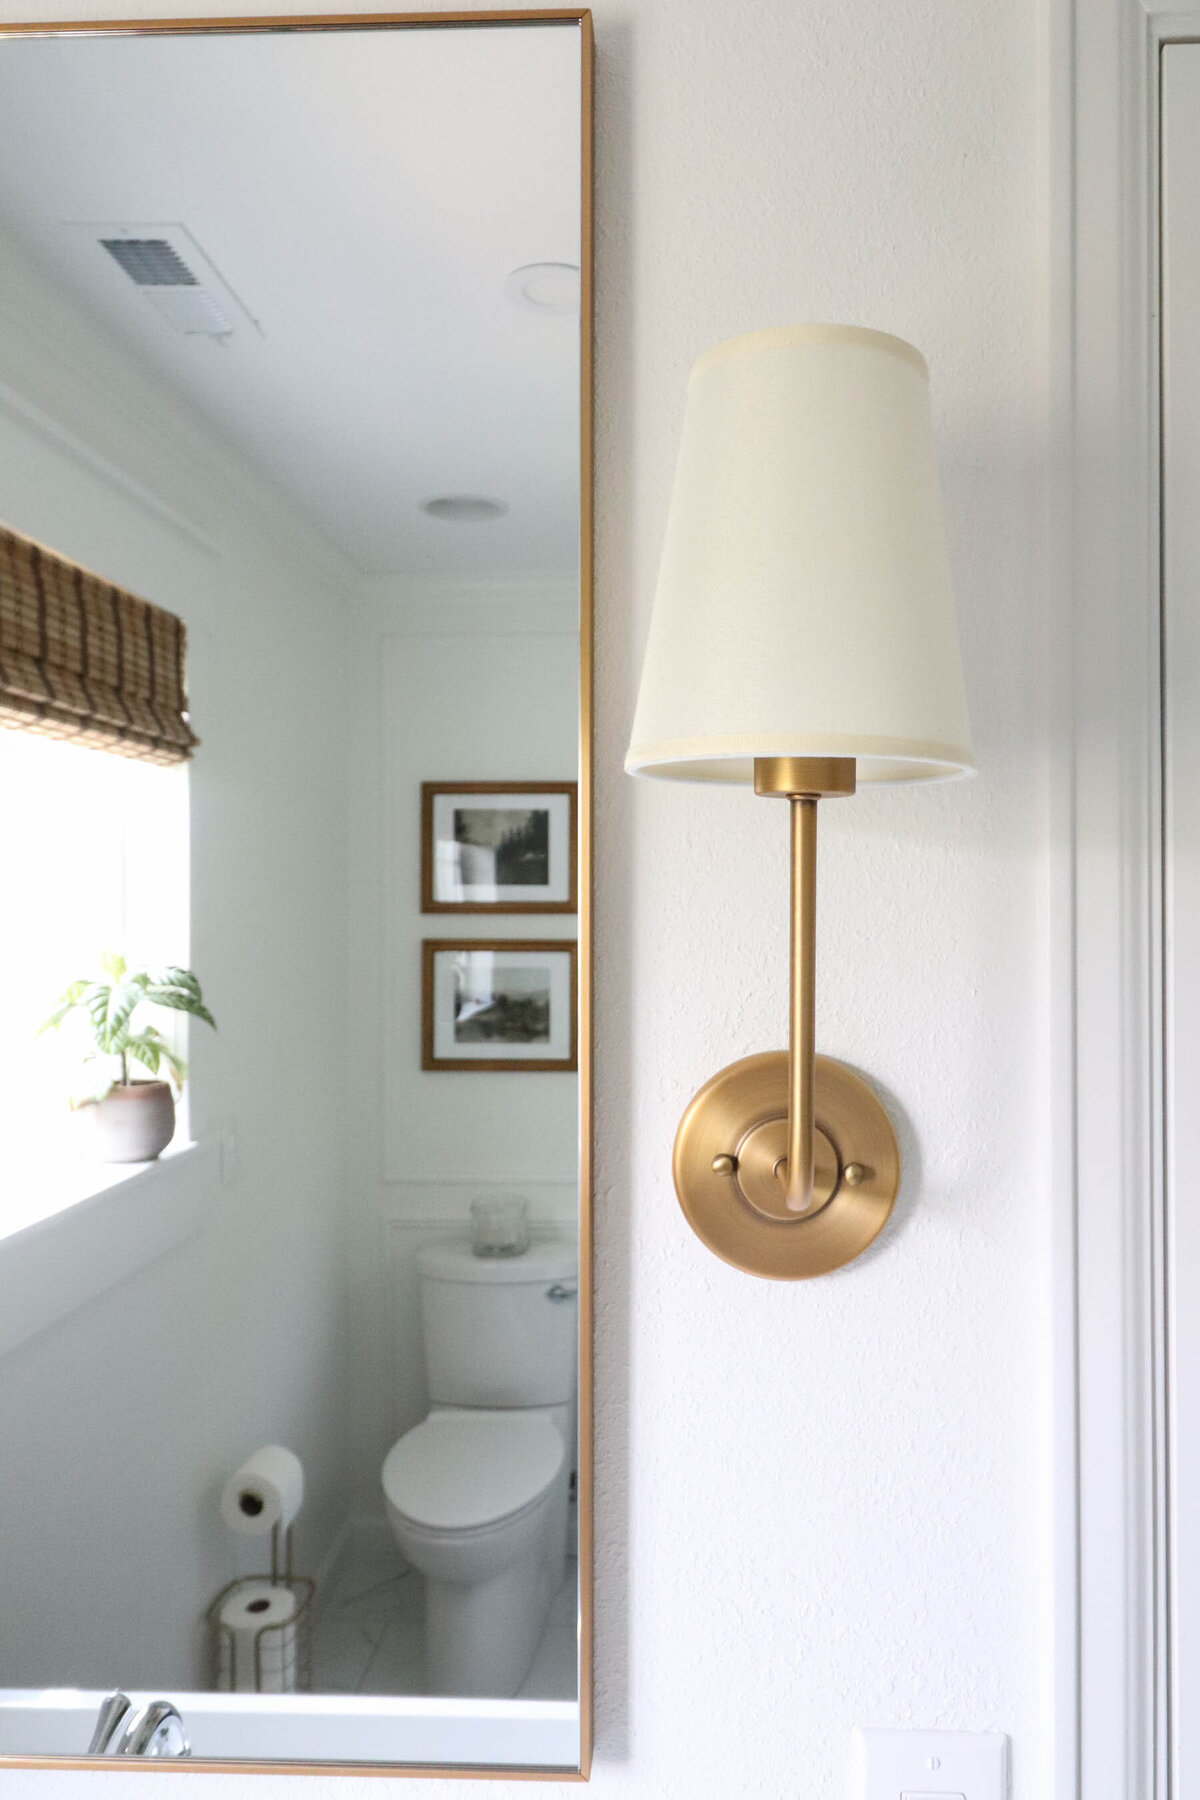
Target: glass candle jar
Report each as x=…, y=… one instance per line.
x=500, y=1227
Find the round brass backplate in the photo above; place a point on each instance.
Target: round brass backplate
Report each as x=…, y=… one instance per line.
x=739, y=1118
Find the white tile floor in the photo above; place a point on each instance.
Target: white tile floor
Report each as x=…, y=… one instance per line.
x=367, y=1637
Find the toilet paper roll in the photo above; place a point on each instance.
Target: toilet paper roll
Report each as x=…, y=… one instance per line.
x=267, y=1490
x=257, y=1640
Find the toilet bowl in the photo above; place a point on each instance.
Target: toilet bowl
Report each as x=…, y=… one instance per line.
x=477, y=1502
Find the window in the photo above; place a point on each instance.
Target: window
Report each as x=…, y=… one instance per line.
x=95, y=858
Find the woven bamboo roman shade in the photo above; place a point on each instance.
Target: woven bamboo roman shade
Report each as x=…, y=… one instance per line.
x=82, y=659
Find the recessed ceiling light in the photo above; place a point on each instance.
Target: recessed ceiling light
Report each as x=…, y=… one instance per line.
x=545, y=287
x=464, y=508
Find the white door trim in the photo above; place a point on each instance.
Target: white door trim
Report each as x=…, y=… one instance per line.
x=1101, y=217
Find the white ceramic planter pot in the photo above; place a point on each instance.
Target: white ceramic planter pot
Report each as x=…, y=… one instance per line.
x=131, y=1124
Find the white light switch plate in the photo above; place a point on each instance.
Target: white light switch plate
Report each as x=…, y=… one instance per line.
x=931, y=1765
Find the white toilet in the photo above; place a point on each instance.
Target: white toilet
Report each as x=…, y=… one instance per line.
x=477, y=1493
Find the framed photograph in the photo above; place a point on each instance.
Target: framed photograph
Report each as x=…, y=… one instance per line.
x=498, y=846
x=508, y=1004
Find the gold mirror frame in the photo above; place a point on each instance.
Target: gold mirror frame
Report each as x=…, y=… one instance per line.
x=365, y=21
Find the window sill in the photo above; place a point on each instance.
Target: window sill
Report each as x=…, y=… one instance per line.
x=72, y=1231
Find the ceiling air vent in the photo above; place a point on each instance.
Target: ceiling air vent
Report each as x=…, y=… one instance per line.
x=167, y=264
x=150, y=262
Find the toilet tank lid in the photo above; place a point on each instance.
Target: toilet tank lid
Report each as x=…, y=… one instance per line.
x=452, y=1259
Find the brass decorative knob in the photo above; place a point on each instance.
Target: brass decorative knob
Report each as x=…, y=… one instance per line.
x=724, y=1165
x=854, y=1174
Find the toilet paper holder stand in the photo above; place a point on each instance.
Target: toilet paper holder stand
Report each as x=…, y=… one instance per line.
x=280, y=1648
x=285, y=1577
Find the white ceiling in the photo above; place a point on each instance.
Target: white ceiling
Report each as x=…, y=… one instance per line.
x=365, y=194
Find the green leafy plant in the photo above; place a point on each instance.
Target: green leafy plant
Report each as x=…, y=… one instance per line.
x=108, y=1007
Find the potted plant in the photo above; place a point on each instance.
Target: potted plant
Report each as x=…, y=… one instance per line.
x=130, y=1119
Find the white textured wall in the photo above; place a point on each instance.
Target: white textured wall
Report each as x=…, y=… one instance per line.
x=823, y=1504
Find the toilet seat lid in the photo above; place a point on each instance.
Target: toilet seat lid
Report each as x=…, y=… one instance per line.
x=462, y=1470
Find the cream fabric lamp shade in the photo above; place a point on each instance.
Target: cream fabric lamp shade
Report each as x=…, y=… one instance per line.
x=803, y=605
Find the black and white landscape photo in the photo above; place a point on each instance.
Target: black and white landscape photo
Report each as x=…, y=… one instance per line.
x=504, y=846
x=508, y=1007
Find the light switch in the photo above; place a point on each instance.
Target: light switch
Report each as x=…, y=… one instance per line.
x=931, y=1765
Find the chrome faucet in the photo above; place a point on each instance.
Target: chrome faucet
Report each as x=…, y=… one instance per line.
x=155, y=1730
x=112, y=1715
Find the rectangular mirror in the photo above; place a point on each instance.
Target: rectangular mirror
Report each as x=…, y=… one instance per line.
x=295, y=675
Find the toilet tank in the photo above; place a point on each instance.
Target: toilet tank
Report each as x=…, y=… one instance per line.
x=499, y=1331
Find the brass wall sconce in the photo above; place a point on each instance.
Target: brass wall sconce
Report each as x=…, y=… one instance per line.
x=803, y=638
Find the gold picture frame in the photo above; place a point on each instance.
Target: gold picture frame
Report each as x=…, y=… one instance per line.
x=440, y=992
x=559, y=855
x=581, y=17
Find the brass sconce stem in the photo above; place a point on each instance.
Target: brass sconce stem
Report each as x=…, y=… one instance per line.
x=802, y=1050
x=804, y=781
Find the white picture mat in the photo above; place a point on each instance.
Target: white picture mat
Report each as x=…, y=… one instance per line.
x=557, y=965
x=450, y=883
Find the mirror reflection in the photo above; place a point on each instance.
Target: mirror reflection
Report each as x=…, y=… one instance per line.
x=289, y=788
